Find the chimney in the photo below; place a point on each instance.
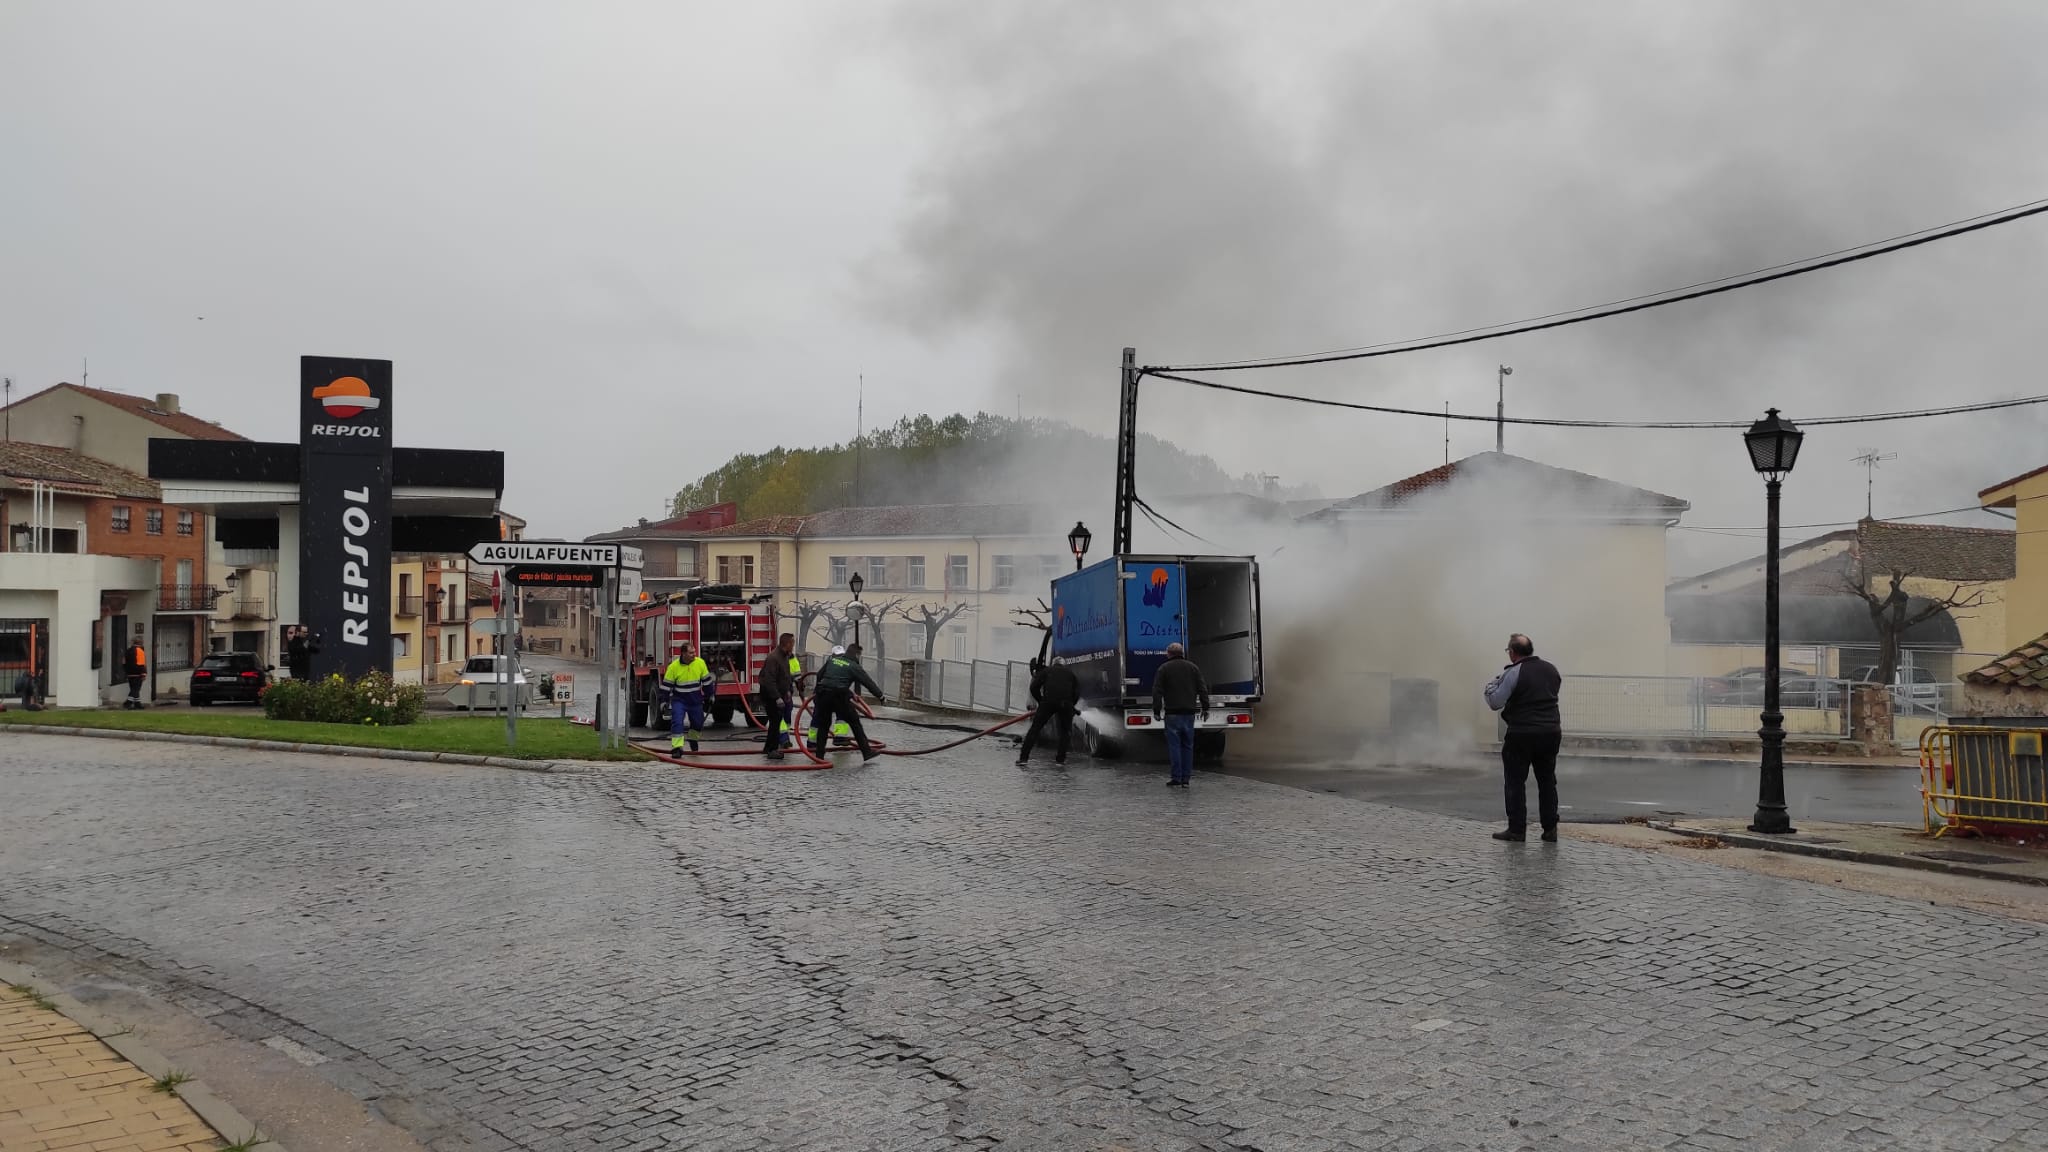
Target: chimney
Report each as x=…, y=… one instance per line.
x=167, y=402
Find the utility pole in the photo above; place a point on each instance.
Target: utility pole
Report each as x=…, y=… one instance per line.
x=1447, y=431
x=860, y=405
x=1500, y=412
x=1870, y=460
x=1126, y=453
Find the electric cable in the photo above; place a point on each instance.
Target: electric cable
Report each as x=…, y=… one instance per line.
x=1638, y=425
x=1637, y=303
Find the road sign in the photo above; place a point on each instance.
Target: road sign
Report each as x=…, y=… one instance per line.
x=629, y=586
x=545, y=553
x=494, y=626
x=554, y=576
x=631, y=557
x=565, y=688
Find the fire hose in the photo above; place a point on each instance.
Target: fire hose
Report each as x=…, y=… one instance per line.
x=811, y=762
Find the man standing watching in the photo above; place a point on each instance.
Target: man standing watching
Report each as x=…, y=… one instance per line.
x=837, y=680
x=1525, y=695
x=1179, y=694
x=1057, y=690
x=686, y=678
x=778, y=689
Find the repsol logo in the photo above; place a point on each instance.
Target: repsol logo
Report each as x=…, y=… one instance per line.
x=367, y=431
x=355, y=606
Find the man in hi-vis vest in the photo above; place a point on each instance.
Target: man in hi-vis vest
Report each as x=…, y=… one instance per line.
x=136, y=664
x=686, y=680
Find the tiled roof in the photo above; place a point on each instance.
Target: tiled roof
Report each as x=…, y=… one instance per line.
x=762, y=526
x=2023, y=667
x=949, y=521
x=1496, y=469
x=1928, y=551
x=183, y=423
x=687, y=526
x=24, y=462
x=1939, y=551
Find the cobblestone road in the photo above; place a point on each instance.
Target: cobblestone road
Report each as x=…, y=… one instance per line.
x=952, y=953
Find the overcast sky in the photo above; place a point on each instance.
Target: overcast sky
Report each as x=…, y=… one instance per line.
x=623, y=241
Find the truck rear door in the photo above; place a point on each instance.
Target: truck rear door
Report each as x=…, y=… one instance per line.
x=1155, y=615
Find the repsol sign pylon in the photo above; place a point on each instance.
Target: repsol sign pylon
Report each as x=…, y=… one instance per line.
x=345, y=512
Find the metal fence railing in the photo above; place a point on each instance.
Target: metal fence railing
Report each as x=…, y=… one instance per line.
x=1698, y=706
x=1984, y=779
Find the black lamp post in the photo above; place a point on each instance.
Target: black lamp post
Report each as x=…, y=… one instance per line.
x=1773, y=447
x=854, y=585
x=1078, y=540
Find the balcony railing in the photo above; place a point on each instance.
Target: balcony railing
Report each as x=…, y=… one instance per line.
x=439, y=613
x=407, y=605
x=185, y=598
x=250, y=608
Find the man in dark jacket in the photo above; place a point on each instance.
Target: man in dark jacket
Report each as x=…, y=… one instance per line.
x=778, y=690
x=1179, y=694
x=1057, y=691
x=837, y=678
x=1525, y=694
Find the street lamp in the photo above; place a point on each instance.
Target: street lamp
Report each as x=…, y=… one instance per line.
x=1773, y=447
x=855, y=584
x=1078, y=540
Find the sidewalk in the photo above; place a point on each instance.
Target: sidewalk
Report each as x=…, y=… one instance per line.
x=1898, y=846
x=60, y=1087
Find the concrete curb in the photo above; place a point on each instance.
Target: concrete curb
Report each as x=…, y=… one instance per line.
x=219, y=1115
x=1854, y=855
x=308, y=749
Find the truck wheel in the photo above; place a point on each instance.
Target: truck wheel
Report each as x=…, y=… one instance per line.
x=721, y=713
x=1209, y=747
x=1100, y=745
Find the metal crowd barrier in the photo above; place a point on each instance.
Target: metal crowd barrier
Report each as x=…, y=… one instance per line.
x=1983, y=779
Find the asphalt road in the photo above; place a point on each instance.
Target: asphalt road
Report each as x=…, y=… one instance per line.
x=1603, y=790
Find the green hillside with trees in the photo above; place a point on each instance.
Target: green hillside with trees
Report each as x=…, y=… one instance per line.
x=983, y=459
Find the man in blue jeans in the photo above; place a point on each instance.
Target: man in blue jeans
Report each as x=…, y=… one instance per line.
x=1179, y=694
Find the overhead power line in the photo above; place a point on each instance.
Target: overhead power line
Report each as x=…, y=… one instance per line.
x=1672, y=425
x=1637, y=303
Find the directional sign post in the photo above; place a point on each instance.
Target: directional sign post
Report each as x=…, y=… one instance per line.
x=545, y=554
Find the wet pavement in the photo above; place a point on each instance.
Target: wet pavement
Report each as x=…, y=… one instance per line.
x=950, y=952
x=1604, y=789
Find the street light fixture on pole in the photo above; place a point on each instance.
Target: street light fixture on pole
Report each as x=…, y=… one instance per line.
x=854, y=585
x=1078, y=540
x=1500, y=410
x=1773, y=447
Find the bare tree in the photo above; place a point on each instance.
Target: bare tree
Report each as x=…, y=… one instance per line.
x=808, y=614
x=876, y=614
x=1892, y=612
x=1039, y=618
x=934, y=619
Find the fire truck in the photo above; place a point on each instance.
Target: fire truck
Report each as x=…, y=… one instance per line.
x=732, y=632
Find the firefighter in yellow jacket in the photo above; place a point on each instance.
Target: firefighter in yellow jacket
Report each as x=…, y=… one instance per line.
x=686, y=680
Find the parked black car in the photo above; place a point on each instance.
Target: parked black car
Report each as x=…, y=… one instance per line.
x=229, y=676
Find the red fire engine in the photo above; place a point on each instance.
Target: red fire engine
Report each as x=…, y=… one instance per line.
x=731, y=632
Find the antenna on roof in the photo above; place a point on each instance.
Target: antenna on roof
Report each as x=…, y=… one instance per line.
x=860, y=405
x=1870, y=460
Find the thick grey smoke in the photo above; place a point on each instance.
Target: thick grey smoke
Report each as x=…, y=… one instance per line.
x=1207, y=180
